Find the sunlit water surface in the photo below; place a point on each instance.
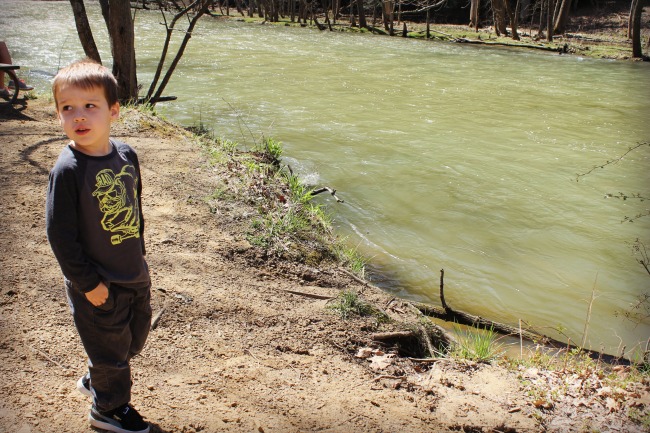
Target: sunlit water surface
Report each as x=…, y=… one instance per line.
x=447, y=156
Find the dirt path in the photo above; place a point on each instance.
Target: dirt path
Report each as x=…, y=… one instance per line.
x=234, y=350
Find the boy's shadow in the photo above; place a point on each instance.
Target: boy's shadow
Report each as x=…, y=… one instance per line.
x=155, y=428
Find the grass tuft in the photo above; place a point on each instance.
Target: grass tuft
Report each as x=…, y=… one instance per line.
x=480, y=345
x=348, y=304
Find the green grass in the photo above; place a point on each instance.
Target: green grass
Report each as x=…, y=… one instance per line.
x=480, y=345
x=348, y=304
x=351, y=258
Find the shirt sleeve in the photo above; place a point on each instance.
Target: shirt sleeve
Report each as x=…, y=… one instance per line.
x=61, y=221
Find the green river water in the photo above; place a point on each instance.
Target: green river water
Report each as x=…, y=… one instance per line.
x=447, y=156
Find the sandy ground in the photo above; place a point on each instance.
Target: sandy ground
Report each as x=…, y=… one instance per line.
x=242, y=345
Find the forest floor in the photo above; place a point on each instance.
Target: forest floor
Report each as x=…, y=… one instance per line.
x=246, y=344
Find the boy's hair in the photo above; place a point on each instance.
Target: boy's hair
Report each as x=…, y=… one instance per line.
x=87, y=74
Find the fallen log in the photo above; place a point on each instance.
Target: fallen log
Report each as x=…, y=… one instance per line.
x=562, y=49
x=463, y=318
x=448, y=314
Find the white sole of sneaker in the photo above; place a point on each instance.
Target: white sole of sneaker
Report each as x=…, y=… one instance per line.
x=82, y=389
x=111, y=427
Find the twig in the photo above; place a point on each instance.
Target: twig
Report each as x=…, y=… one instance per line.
x=156, y=319
x=591, y=303
x=309, y=295
x=387, y=376
x=613, y=161
x=428, y=360
x=521, y=342
x=47, y=357
x=257, y=359
x=355, y=278
x=442, y=290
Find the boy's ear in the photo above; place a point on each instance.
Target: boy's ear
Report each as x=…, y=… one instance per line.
x=115, y=111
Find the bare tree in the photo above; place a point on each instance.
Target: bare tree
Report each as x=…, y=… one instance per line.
x=499, y=14
x=362, y=15
x=635, y=19
x=549, y=19
x=562, y=17
x=201, y=7
x=389, y=16
x=629, y=21
x=474, y=13
x=84, y=31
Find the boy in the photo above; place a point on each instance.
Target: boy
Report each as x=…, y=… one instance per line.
x=95, y=228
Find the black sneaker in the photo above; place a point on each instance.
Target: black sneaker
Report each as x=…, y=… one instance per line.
x=124, y=419
x=83, y=385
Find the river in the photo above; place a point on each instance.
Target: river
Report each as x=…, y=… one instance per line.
x=449, y=157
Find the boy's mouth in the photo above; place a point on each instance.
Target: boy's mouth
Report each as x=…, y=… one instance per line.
x=82, y=131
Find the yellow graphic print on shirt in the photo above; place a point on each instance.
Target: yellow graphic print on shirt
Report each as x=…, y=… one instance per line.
x=118, y=201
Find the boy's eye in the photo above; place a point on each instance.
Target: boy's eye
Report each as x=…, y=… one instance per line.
x=66, y=108
x=90, y=105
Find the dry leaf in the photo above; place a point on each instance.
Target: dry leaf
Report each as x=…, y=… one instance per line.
x=611, y=404
x=381, y=362
x=364, y=352
x=543, y=404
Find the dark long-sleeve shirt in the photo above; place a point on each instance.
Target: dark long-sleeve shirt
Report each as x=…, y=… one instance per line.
x=94, y=218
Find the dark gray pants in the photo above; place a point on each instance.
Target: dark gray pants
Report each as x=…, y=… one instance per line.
x=112, y=334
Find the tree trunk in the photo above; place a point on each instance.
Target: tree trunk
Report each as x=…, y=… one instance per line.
x=499, y=11
x=105, y=7
x=629, y=21
x=362, y=15
x=637, y=51
x=562, y=17
x=389, y=8
x=514, y=19
x=122, y=37
x=549, y=21
x=474, y=13
x=83, y=30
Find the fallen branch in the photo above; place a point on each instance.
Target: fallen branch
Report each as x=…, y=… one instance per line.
x=357, y=279
x=463, y=318
x=449, y=315
x=330, y=190
x=562, y=49
x=309, y=295
x=396, y=335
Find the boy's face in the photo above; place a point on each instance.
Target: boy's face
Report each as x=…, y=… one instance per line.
x=86, y=118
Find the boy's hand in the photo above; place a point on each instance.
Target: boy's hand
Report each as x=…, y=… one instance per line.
x=98, y=295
